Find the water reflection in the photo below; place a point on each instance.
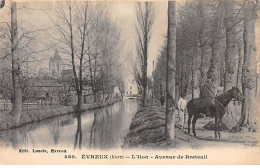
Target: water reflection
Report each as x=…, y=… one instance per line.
x=55, y=131
x=18, y=139
x=106, y=130
x=78, y=134
x=102, y=128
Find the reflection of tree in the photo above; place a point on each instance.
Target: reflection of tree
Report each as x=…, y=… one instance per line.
x=55, y=126
x=92, y=134
x=99, y=137
x=105, y=130
x=18, y=138
x=78, y=134
x=107, y=140
x=55, y=131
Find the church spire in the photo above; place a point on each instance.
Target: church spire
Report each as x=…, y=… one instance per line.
x=56, y=54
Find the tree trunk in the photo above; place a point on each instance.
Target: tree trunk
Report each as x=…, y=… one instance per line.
x=95, y=97
x=177, y=76
x=170, y=71
x=79, y=101
x=204, y=43
x=183, y=68
x=144, y=82
x=214, y=69
x=16, y=72
x=248, y=69
x=177, y=92
x=231, y=47
x=239, y=64
x=196, y=71
x=188, y=84
x=192, y=80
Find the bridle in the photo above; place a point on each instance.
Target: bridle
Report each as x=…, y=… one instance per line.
x=220, y=103
x=236, y=97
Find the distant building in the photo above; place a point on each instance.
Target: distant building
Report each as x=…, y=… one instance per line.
x=67, y=74
x=116, y=90
x=45, y=73
x=56, y=65
x=44, y=88
x=131, y=87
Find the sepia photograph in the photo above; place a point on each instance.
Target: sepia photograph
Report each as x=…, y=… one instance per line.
x=129, y=82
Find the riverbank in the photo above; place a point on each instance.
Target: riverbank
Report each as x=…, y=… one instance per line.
x=147, y=131
x=147, y=127
x=42, y=113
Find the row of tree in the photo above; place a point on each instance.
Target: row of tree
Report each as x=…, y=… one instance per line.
x=214, y=39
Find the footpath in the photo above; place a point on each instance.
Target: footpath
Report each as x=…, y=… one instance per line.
x=147, y=131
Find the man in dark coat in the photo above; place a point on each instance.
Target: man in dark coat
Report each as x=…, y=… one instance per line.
x=207, y=94
x=208, y=90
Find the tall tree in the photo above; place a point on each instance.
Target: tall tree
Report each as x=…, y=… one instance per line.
x=145, y=20
x=231, y=45
x=16, y=71
x=240, y=62
x=214, y=69
x=73, y=25
x=159, y=73
x=195, y=67
x=204, y=42
x=170, y=71
x=249, y=67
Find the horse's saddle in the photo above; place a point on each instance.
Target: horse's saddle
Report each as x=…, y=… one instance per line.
x=203, y=102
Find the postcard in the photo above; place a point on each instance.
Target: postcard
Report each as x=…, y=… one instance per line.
x=129, y=82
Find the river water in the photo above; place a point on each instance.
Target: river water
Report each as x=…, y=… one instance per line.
x=103, y=128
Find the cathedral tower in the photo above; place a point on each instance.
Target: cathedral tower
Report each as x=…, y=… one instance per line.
x=56, y=65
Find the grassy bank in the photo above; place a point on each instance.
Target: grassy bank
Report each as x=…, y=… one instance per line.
x=42, y=113
x=147, y=127
x=147, y=130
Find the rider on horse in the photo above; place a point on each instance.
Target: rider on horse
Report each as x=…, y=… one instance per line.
x=208, y=93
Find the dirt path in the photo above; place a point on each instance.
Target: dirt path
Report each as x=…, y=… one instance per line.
x=147, y=131
x=206, y=138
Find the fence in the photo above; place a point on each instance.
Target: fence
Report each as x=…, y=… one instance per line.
x=70, y=100
x=7, y=105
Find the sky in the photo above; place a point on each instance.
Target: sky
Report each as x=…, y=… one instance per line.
x=37, y=15
x=123, y=13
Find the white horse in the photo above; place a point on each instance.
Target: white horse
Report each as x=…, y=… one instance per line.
x=182, y=104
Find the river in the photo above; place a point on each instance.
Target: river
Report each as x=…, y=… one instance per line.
x=103, y=128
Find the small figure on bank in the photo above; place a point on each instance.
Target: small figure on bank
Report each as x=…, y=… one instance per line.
x=182, y=104
x=162, y=100
x=51, y=100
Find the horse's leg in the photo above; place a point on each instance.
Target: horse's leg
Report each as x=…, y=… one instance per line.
x=219, y=121
x=182, y=119
x=216, y=125
x=195, y=117
x=189, y=121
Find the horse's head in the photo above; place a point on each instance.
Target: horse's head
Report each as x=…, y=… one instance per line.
x=237, y=94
